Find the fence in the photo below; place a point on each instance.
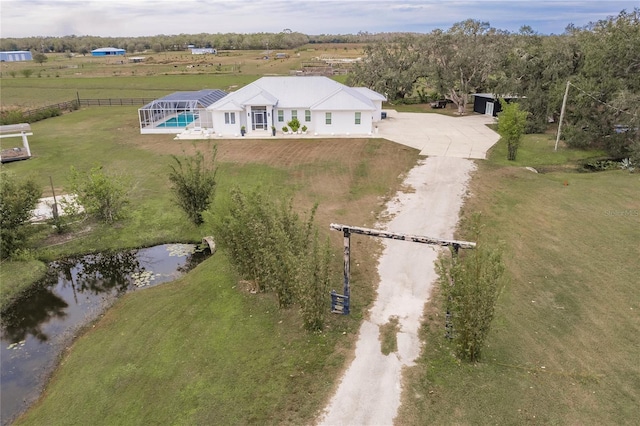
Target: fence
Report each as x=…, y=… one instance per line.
x=115, y=102
x=74, y=104
x=62, y=106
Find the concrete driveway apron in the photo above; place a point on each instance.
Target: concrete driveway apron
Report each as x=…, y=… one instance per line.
x=440, y=135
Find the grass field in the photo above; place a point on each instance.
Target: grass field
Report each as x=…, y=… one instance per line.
x=62, y=78
x=203, y=349
x=564, y=344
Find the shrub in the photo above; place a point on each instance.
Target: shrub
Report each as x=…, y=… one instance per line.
x=294, y=124
x=18, y=199
x=102, y=195
x=470, y=284
x=285, y=129
x=273, y=246
x=511, y=125
x=193, y=184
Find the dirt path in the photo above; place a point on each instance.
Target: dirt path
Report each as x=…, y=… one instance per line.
x=369, y=393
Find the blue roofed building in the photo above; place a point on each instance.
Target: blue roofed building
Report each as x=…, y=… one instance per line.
x=108, y=51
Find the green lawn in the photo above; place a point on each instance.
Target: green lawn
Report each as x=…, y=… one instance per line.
x=86, y=139
x=538, y=151
x=198, y=351
x=201, y=350
x=564, y=343
x=35, y=92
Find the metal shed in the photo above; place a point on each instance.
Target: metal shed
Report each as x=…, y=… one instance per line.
x=15, y=56
x=489, y=103
x=108, y=51
x=178, y=111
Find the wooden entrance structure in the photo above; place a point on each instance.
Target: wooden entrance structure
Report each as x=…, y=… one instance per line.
x=340, y=302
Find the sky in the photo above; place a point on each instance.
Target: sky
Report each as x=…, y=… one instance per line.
x=132, y=18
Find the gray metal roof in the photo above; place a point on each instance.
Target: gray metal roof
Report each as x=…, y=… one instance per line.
x=203, y=98
x=494, y=96
x=312, y=92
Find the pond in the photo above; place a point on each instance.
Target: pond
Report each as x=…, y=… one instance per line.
x=77, y=290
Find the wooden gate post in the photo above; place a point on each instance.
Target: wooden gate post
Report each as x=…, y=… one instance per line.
x=347, y=269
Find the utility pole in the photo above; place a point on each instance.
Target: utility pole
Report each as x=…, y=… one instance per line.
x=564, y=105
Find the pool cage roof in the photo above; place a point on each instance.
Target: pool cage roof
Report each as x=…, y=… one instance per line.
x=154, y=115
x=186, y=101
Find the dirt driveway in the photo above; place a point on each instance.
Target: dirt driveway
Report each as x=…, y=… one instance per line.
x=370, y=389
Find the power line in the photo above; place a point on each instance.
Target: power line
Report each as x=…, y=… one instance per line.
x=603, y=103
x=564, y=104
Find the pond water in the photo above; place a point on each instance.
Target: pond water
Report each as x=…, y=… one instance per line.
x=40, y=325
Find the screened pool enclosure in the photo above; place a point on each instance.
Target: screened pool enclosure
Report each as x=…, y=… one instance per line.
x=178, y=112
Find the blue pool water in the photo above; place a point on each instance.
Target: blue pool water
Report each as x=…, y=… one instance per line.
x=181, y=120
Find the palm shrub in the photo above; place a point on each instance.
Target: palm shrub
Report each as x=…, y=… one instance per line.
x=193, y=183
x=469, y=282
x=294, y=124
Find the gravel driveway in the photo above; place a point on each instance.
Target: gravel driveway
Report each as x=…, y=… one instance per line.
x=370, y=389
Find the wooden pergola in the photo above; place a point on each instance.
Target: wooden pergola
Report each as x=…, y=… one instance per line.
x=11, y=131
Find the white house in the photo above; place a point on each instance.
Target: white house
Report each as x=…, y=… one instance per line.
x=324, y=106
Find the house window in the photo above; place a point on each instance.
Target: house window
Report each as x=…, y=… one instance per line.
x=358, y=115
x=229, y=118
x=327, y=118
x=294, y=114
x=280, y=116
x=307, y=116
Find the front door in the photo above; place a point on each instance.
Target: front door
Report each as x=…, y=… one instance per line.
x=259, y=118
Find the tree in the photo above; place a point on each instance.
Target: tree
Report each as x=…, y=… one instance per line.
x=193, y=182
x=470, y=285
x=460, y=61
x=535, y=68
x=18, y=200
x=40, y=58
x=603, y=106
x=511, y=124
x=391, y=68
x=102, y=195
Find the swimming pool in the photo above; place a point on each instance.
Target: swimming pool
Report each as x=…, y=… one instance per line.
x=181, y=120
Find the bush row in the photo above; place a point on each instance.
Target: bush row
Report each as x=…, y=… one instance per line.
x=272, y=246
x=16, y=116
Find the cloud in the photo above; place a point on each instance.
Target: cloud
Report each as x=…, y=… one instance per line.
x=120, y=18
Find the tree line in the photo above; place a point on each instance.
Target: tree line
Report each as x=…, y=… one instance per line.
x=285, y=40
x=601, y=60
